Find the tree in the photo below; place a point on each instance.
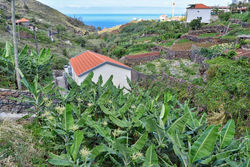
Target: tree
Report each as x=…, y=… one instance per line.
x=225, y=16
x=99, y=28
x=195, y=24
x=13, y=2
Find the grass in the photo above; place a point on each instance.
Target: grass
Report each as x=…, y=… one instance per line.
x=168, y=43
x=208, y=35
x=17, y=147
x=183, y=41
x=138, y=52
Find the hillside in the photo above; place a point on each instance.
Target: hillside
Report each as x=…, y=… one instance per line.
x=69, y=32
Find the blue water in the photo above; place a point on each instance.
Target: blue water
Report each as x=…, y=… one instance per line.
x=111, y=20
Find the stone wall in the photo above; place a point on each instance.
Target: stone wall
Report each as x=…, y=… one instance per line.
x=8, y=105
x=209, y=29
x=199, y=40
x=243, y=24
x=171, y=81
x=132, y=60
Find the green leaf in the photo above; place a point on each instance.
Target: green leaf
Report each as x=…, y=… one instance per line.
x=179, y=124
x=140, y=143
x=151, y=125
x=97, y=151
x=227, y=134
x=140, y=110
x=151, y=158
x=204, y=145
x=203, y=119
x=164, y=115
x=218, y=156
x=74, y=149
x=68, y=120
x=59, y=160
x=126, y=106
x=106, y=111
x=120, y=123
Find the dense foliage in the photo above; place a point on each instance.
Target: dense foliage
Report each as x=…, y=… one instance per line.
x=227, y=89
x=140, y=37
x=99, y=125
x=30, y=63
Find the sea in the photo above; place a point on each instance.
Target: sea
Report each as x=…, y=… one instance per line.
x=112, y=20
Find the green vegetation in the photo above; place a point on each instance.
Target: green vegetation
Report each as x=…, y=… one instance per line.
x=225, y=16
x=183, y=41
x=208, y=35
x=30, y=63
x=198, y=119
x=69, y=33
x=227, y=89
x=18, y=146
x=216, y=50
x=184, y=69
x=196, y=24
x=141, y=37
x=105, y=127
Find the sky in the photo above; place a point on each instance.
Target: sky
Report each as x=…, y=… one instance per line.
x=125, y=6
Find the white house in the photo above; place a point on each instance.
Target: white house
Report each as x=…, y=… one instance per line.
x=164, y=18
x=199, y=11
x=80, y=66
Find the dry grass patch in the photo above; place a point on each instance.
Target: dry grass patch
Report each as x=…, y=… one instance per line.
x=188, y=45
x=17, y=147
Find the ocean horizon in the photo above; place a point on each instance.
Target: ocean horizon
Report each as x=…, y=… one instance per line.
x=112, y=20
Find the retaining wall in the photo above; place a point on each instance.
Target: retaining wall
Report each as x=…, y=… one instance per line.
x=8, y=105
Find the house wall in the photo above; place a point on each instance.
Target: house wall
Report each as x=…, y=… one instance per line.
x=120, y=75
x=195, y=13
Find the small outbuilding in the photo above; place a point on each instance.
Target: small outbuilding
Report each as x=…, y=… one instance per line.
x=196, y=11
x=164, y=18
x=80, y=66
x=23, y=21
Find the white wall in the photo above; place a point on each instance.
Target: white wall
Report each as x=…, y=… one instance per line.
x=195, y=13
x=120, y=75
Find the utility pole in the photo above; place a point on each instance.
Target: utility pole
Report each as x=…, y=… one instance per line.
x=13, y=10
x=34, y=30
x=173, y=10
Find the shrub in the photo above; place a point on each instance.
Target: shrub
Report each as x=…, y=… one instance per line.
x=81, y=41
x=195, y=24
x=59, y=62
x=30, y=63
x=96, y=124
x=230, y=55
x=119, y=51
x=225, y=16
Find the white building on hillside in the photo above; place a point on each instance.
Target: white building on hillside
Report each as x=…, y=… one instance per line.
x=164, y=18
x=199, y=11
x=80, y=66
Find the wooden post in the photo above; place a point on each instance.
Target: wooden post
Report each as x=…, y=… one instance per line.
x=37, y=49
x=13, y=10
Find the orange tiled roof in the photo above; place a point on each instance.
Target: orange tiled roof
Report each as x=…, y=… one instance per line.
x=199, y=6
x=22, y=20
x=89, y=60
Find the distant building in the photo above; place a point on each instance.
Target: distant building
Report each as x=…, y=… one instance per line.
x=164, y=18
x=80, y=66
x=235, y=2
x=220, y=9
x=23, y=21
x=196, y=11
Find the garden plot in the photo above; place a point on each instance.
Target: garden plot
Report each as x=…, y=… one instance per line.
x=182, y=68
x=185, y=44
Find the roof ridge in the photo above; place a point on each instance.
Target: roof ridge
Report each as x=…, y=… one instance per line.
x=97, y=55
